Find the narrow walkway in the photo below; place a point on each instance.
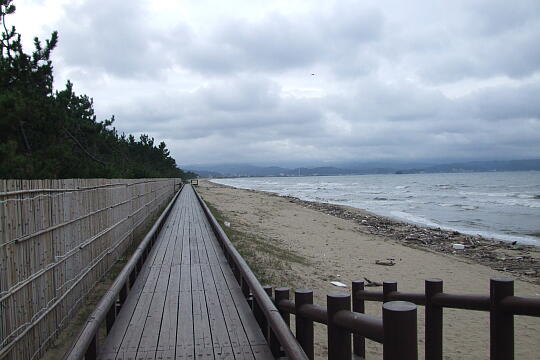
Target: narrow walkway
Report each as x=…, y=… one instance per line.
x=186, y=303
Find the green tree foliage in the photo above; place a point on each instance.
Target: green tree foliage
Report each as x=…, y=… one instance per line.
x=54, y=134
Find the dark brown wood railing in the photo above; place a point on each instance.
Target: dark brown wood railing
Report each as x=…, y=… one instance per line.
x=396, y=330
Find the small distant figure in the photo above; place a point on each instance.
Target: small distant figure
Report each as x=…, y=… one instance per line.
x=312, y=74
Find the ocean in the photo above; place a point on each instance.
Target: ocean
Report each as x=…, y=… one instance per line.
x=502, y=205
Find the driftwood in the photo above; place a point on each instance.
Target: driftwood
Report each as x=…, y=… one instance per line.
x=498, y=255
x=385, y=262
x=371, y=283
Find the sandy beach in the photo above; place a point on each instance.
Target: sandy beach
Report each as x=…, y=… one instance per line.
x=293, y=244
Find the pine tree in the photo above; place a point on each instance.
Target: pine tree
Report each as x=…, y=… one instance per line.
x=55, y=134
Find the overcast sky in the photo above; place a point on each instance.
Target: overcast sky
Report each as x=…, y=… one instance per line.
x=231, y=81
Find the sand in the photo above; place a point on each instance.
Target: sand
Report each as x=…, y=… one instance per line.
x=339, y=249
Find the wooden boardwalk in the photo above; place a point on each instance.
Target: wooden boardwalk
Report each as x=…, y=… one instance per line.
x=186, y=302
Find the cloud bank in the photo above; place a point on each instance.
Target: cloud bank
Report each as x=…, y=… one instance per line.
x=233, y=82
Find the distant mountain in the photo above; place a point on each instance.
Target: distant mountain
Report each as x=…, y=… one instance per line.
x=479, y=166
x=244, y=170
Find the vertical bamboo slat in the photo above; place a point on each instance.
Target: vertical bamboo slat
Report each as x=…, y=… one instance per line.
x=57, y=239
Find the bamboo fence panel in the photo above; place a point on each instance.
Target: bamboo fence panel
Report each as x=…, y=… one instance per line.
x=58, y=238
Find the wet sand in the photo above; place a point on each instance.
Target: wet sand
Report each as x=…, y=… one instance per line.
x=341, y=248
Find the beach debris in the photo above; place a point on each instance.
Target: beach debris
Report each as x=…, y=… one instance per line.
x=483, y=250
x=458, y=246
x=338, y=284
x=388, y=262
x=227, y=224
x=371, y=283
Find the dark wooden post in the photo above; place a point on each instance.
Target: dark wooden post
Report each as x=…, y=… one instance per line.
x=434, y=321
x=245, y=287
x=272, y=340
x=339, y=340
x=236, y=272
x=501, y=323
x=388, y=287
x=110, y=318
x=400, y=333
x=279, y=294
x=358, y=305
x=282, y=293
x=304, y=327
x=132, y=277
x=259, y=315
x=123, y=294
x=91, y=352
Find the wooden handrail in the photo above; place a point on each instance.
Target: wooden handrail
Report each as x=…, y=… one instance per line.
x=284, y=335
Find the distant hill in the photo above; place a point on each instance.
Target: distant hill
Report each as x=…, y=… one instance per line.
x=244, y=170
x=479, y=166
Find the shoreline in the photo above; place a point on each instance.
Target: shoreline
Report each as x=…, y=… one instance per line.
x=525, y=239
x=520, y=260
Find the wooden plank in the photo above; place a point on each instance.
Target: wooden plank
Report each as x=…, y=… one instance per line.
x=262, y=352
x=237, y=334
x=167, y=332
x=185, y=346
x=220, y=334
x=185, y=279
x=174, y=279
x=196, y=278
x=201, y=327
x=150, y=335
x=130, y=342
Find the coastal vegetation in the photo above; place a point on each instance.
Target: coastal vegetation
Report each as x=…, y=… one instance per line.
x=46, y=133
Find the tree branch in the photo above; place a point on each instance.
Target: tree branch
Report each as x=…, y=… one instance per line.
x=82, y=148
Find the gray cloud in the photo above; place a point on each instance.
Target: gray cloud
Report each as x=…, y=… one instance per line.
x=402, y=81
x=111, y=37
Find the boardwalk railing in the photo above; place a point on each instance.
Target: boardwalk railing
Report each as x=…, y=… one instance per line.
x=501, y=304
x=86, y=345
x=262, y=304
x=397, y=331
x=57, y=239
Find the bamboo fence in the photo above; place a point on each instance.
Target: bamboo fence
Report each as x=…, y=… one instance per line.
x=58, y=238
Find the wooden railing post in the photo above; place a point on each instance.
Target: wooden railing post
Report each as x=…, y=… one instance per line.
x=304, y=327
x=122, y=296
x=133, y=276
x=358, y=306
x=388, y=287
x=501, y=323
x=282, y=293
x=400, y=332
x=245, y=288
x=91, y=352
x=259, y=315
x=279, y=294
x=339, y=340
x=434, y=321
x=110, y=318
